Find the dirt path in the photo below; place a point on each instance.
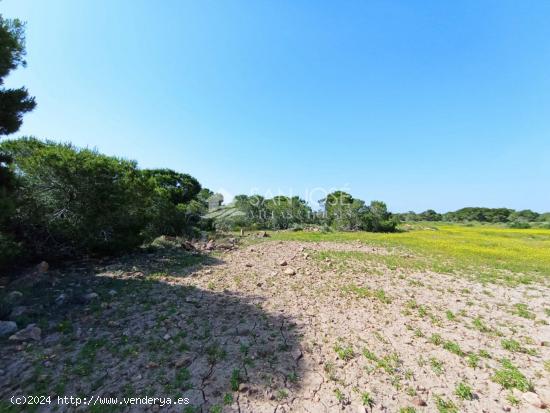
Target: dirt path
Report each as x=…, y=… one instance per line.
x=405, y=338
x=293, y=327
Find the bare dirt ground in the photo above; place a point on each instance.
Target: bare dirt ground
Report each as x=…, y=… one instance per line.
x=286, y=327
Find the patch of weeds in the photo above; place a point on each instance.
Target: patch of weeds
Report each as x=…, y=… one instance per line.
x=227, y=399
x=216, y=409
x=480, y=325
x=281, y=394
x=215, y=353
x=464, y=391
x=407, y=410
x=65, y=327
x=418, y=333
x=509, y=377
x=330, y=369
x=380, y=337
x=339, y=395
x=547, y=312
x=292, y=377
x=450, y=315
x=367, y=399
x=511, y=345
x=484, y=354
x=513, y=400
x=437, y=366
x=411, y=391
x=523, y=311
x=472, y=360
x=547, y=365
x=381, y=295
x=422, y=311
x=388, y=363
x=86, y=357
x=453, y=347
x=515, y=347
x=182, y=379
x=436, y=339
x=445, y=406
x=370, y=355
x=344, y=352
x=365, y=292
x=235, y=379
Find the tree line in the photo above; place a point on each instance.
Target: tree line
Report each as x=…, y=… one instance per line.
x=339, y=210
x=479, y=214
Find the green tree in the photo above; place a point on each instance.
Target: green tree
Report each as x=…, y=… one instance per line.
x=175, y=206
x=13, y=102
x=74, y=201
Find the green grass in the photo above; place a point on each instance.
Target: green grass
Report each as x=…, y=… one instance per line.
x=488, y=253
x=344, y=352
x=445, y=406
x=367, y=399
x=510, y=377
x=464, y=391
x=364, y=292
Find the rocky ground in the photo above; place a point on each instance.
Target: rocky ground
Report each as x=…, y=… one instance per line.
x=277, y=327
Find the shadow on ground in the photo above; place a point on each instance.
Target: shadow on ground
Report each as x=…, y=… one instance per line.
x=137, y=328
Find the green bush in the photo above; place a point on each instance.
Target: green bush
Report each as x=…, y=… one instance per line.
x=61, y=201
x=71, y=201
x=519, y=225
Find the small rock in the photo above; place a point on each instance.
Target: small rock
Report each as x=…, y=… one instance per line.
x=61, y=298
x=42, y=267
x=90, y=296
x=7, y=327
x=152, y=365
x=166, y=337
x=15, y=295
x=183, y=361
x=112, y=292
x=296, y=354
x=544, y=394
x=417, y=401
x=283, y=263
x=290, y=271
x=248, y=265
x=243, y=387
x=31, y=332
x=18, y=311
x=533, y=399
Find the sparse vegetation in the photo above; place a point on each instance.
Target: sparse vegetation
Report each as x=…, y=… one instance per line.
x=464, y=391
x=509, y=377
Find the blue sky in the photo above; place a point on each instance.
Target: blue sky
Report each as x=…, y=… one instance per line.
x=422, y=104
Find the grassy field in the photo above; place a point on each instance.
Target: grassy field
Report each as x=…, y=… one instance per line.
x=487, y=253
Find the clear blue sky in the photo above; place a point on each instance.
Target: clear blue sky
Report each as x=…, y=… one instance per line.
x=422, y=104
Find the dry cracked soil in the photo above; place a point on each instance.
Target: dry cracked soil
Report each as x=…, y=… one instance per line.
x=281, y=327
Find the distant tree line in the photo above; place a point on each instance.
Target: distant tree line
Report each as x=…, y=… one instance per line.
x=478, y=214
x=339, y=210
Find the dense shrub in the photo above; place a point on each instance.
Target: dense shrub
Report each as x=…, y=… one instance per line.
x=176, y=208
x=73, y=201
x=344, y=212
x=61, y=201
